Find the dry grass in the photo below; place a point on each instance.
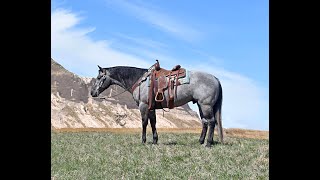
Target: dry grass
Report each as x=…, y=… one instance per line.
x=241, y=133
x=106, y=155
x=245, y=133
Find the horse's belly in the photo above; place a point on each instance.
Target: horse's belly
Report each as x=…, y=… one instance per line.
x=180, y=99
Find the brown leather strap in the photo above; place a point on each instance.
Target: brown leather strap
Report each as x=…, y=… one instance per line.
x=177, y=83
x=169, y=87
x=150, y=93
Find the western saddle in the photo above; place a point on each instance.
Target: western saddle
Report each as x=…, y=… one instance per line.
x=161, y=80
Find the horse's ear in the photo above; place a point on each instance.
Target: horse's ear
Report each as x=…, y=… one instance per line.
x=100, y=68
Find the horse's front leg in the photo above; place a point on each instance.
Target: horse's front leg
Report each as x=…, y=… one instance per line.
x=144, y=116
x=152, y=117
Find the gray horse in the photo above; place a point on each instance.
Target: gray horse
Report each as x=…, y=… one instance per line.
x=203, y=89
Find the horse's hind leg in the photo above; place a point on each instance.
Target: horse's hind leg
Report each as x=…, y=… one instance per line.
x=204, y=126
x=212, y=124
x=144, y=116
x=152, y=117
x=203, y=132
x=206, y=114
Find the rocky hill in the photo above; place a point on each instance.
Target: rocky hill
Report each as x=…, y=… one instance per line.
x=73, y=107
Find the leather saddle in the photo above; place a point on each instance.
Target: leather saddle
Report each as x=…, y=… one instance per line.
x=161, y=80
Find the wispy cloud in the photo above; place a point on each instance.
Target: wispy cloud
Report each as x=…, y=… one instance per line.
x=159, y=19
x=74, y=48
x=209, y=58
x=142, y=41
x=150, y=54
x=57, y=3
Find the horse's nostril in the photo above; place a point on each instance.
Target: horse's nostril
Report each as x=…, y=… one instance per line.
x=94, y=93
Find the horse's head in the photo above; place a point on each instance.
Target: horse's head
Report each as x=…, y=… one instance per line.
x=103, y=81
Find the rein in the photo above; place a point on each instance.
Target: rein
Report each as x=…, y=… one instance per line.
x=106, y=97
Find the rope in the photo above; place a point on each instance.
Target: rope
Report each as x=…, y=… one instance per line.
x=189, y=113
x=164, y=111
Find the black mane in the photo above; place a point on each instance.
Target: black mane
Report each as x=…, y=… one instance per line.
x=125, y=75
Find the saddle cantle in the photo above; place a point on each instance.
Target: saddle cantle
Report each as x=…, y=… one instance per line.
x=161, y=80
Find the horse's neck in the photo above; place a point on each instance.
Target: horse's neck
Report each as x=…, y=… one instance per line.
x=125, y=77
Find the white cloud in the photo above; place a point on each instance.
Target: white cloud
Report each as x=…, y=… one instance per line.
x=159, y=19
x=74, y=49
x=62, y=20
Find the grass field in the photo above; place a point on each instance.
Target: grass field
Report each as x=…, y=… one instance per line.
x=109, y=155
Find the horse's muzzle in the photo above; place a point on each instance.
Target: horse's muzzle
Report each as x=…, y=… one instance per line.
x=94, y=93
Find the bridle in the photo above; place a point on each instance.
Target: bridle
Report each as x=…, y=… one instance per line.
x=106, y=97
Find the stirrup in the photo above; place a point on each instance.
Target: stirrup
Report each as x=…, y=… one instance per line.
x=155, y=98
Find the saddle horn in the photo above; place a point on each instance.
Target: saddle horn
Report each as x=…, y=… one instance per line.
x=157, y=65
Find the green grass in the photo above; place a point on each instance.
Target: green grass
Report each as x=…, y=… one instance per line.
x=99, y=155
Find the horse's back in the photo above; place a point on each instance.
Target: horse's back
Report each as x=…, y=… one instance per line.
x=204, y=86
x=203, y=79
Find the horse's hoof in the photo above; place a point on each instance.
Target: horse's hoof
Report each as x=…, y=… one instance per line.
x=201, y=141
x=209, y=145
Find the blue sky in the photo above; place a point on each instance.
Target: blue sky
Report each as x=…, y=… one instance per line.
x=229, y=39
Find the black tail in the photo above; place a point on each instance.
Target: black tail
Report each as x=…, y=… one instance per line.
x=217, y=114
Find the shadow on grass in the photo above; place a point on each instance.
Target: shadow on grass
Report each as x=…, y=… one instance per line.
x=190, y=143
x=172, y=143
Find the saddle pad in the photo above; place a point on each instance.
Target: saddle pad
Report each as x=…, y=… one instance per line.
x=184, y=80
